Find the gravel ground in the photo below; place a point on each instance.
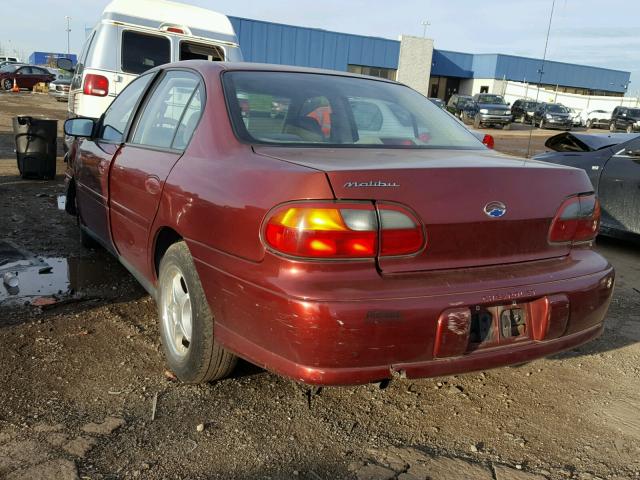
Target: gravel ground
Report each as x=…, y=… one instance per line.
x=80, y=379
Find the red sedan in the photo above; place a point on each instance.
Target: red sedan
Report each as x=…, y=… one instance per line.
x=25, y=76
x=356, y=235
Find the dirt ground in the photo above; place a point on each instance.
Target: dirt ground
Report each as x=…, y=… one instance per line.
x=79, y=380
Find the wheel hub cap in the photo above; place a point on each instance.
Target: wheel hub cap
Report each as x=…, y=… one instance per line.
x=176, y=312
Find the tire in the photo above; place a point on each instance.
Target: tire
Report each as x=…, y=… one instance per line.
x=589, y=124
x=7, y=84
x=541, y=125
x=186, y=323
x=612, y=127
x=86, y=240
x=629, y=129
x=506, y=126
x=476, y=122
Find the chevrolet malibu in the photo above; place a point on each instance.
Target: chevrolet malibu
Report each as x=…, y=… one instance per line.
x=360, y=235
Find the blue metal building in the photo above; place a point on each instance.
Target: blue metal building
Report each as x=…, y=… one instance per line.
x=311, y=47
x=49, y=58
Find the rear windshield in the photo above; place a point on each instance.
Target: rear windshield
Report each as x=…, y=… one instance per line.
x=141, y=52
x=530, y=105
x=200, y=51
x=325, y=110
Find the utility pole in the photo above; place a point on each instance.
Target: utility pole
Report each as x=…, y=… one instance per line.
x=425, y=24
x=68, y=34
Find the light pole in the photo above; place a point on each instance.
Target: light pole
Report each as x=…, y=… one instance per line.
x=425, y=24
x=68, y=34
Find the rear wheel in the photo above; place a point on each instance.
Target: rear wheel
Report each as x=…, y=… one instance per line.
x=186, y=323
x=476, y=122
x=541, y=125
x=612, y=127
x=7, y=84
x=629, y=129
x=589, y=124
x=507, y=126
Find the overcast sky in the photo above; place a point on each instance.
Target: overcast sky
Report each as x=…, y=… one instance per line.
x=590, y=32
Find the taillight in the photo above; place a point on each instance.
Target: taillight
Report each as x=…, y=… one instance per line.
x=400, y=231
x=96, y=85
x=488, y=141
x=577, y=220
x=342, y=230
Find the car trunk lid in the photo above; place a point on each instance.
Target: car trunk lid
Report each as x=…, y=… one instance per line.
x=450, y=190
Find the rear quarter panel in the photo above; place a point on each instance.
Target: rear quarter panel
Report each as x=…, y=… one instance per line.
x=219, y=191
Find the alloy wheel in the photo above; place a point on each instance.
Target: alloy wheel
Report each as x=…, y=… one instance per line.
x=176, y=312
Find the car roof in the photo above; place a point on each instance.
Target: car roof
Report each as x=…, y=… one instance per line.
x=208, y=67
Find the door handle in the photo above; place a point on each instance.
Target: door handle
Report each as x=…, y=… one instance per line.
x=152, y=185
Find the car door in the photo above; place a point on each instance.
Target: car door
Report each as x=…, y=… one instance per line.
x=156, y=142
x=619, y=189
x=94, y=158
x=24, y=78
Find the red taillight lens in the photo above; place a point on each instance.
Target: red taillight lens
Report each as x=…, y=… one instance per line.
x=343, y=230
x=175, y=30
x=400, y=231
x=489, y=141
x=324, y=231
x=96, y=85
x=577, y=220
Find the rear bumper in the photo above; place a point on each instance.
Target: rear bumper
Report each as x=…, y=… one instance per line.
x=477, y=361
x=349, y=339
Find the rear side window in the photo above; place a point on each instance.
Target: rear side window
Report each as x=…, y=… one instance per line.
x=117, y=116
x=199, y=51
x=189, y=120
x=140, y=52
x=164, y=111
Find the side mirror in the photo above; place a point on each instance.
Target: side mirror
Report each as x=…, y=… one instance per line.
x=633, y=153
x=64, y=64
x=79, y=127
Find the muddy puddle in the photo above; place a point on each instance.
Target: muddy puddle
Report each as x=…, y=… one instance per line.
x=47, y=281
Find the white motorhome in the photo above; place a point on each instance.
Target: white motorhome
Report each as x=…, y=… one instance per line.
x=135, y=36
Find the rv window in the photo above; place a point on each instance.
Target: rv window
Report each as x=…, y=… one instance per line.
x=196, y=51
x=140, y=52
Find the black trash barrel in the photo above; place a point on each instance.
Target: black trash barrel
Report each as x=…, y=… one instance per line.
x=36, y=146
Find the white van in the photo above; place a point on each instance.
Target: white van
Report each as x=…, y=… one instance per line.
x=9, y=59
x=134, y=36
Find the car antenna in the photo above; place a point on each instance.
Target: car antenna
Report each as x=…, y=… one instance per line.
x=541, y=72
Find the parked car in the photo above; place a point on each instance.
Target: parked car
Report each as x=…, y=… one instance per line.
x=522, y=110
x=576, y=117
x=624, y=118
x=552, y=115
x=333, y=253
x=59, y=89
x=457, y=103
x=437, y=102
x=4, y=58
x=25, y=76
x=612, y=163
x=596, y=118
x=488, y=109
x=133, y=37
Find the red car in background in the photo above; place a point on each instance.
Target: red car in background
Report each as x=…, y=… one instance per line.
x=358, y=235
x=26, y=76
